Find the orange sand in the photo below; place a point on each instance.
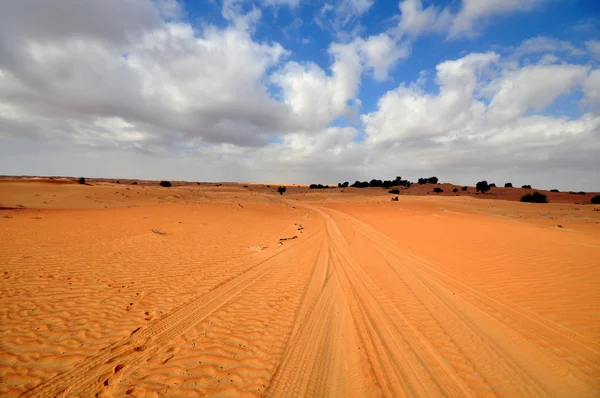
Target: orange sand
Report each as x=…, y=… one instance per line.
x=118, y=289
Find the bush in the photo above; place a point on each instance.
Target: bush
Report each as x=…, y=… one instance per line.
x=428, y=180
x=319, y=186
x=508, y=185
x=134, y=183
x=554, y=190
x=464, y=189
x=165, y=184
x=343, y=184
x=492, y=185
x=580, y=193
x=281, y=190
x=595, y=200
x=536, y=197
x=359, y=184
x=438, y=190
x=81, y=180
x=455, y=190
x=526, y=186
x=482, y=186
x=395, y=191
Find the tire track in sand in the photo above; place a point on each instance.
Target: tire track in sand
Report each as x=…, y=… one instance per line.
x=110, y=364
x=349, y=340
x=550, y=360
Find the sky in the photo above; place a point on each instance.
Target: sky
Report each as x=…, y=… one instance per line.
x=303, y=91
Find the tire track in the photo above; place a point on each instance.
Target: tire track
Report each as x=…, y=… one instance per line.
x=566, y=354
x=131, y=352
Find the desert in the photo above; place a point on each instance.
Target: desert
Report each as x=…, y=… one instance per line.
x=232, y=289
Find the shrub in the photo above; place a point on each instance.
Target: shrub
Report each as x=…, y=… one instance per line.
x=81, y=180
x=464, y=189
x=343, y=184
x=359, y=184
x=438, y=190
x=482, y=186
x=165, y=184
x=492, y=185
x=455, y=190
x=580, y=193
x=319, y=186
x=526, y=186
x=595, y=200
x=245, y=186
x=394, y=191
x=536, y=197
x=117, y=182
x=281, y=190
x=429, y=180
x=508, y=185
x=554, y=190
x=134, y=183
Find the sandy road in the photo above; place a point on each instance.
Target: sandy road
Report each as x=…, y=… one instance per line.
x=364, y=317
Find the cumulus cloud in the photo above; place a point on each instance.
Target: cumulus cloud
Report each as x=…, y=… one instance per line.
x=139, y=93
x=481, y=120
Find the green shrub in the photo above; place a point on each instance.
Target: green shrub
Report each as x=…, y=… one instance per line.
x=438, y=190
x=536, y=197
x=595, y=200
x=165, y=184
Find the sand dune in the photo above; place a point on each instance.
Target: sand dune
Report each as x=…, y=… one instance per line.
x=117, y=290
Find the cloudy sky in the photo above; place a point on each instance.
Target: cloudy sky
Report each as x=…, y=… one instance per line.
x=303, y=91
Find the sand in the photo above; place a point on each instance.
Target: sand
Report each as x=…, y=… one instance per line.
x=136, y=290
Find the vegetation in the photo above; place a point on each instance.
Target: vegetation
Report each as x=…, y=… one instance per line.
x=398, y=182
x=281, y=190
x=595, y=200
x=394, y=191
x=492, y=185
x=395, y=199
x=343, y=184
x=536, y=197
x=165, y=184
x=482, y=186
x=464, y=189
x=455, y=190
x=134, y=183
x=319, y=186
x=81, y=180
x=438, y=190
x=508, y=185
x=526, y=186
x=554, y=190
x=429, y=180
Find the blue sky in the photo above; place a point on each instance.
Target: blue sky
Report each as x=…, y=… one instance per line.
x=303, y=90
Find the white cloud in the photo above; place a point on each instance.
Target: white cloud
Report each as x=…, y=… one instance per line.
x=531, y=87
x=543, y=44
x=593, y=47
x=474, y=12
x=382, y=54
x=407, y=113
x=315, y=97
x=122, y=88
x=459, y=130
x=591, y=89
x=343, y=18
x=415, y=19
